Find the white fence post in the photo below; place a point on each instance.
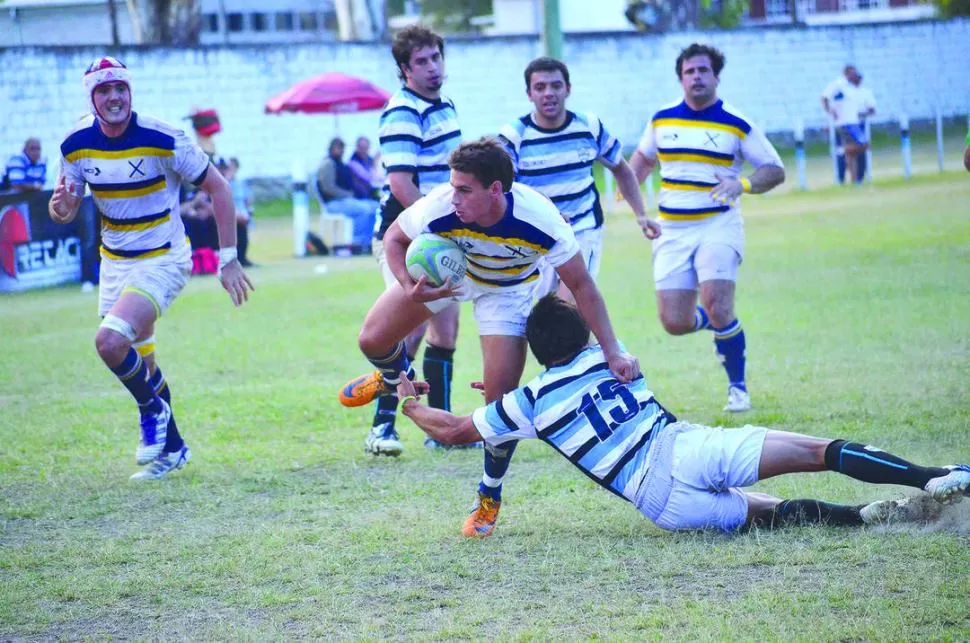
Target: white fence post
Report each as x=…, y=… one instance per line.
x=799, y=133
x=939, y=137
x=905, y=145
x=301, y=210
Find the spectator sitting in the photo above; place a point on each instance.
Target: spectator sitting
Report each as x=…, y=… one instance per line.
x=27, y=171
x=362, y=167
x=198, y=217
x=335, y=182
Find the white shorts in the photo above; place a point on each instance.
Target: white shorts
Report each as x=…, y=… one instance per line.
x=377, y=248
x=160, y=279
x=497, y=311
x=591, y=247
x=688, y=255
x=695, y=482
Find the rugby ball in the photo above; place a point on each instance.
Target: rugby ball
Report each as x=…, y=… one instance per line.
x=435, y=258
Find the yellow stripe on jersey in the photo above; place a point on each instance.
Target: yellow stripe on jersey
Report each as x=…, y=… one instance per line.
x=513, y=270
x=487, y=282
x=453, y=234
x=88, y=153
x=147, y=254
x=136, y=225
x=680, y=122
x=694, y=216
x=693, y=158
x=667, y=185
x=156, y=186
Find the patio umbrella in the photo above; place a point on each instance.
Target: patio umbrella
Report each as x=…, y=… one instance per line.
x=331, y=93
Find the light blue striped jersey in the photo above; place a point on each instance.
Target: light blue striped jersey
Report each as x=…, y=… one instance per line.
x=417, y=135
x=134, y=179
x=603, y=427
x=503, y=255
x=695, y=146
x=22, y=171
x=559, y=162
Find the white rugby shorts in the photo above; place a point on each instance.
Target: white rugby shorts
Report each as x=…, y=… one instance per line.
x=695, y=482
x=160, y=279
x=686, y=255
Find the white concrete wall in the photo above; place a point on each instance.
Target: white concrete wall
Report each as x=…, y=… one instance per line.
x=772, y=75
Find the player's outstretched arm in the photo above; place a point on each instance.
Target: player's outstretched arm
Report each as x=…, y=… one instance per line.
x=440, y=425
x=231, y=274
x=626, y=181
x=65, y=201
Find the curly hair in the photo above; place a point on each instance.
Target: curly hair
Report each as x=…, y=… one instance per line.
x=716, y=56
x=410, y=38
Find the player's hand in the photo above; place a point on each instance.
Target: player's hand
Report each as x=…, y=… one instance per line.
x=727, y=190
x=625, y=367
x=478, y=386
x=651, y=229
x=406, y=387
x=64, y=202
x=237, y=284
x=423, y=292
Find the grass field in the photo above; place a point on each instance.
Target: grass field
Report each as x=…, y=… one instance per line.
x=855, y=303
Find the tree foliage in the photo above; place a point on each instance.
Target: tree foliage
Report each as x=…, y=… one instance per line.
x=446, y=15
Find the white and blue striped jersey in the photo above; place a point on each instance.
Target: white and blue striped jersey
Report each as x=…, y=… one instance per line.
x=503, y=255
x=693, y=147
x=417, y=135
x=134, y=179
x=559, y=162
x=580, y=409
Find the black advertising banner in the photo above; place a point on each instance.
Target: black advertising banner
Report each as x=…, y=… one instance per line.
x=36, y=252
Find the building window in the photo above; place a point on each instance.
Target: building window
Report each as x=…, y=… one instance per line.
x=259, y=21
x=775, y=8
x=235, y=22
x=330, y=21
x=309, y=21
x=284, y=21
x=210, y=23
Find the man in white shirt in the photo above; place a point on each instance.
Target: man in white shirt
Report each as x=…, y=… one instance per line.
x=848, y=104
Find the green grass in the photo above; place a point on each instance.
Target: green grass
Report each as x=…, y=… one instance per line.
x=855, y=302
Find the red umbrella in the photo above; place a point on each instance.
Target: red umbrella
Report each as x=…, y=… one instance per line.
x=332, y=93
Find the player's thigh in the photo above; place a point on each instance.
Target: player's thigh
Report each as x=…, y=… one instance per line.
x=717, y=459
x=443, y=326
x=591, y=247
x=689, y=508
x=159, y=280
x=392, y=318
x=673, y=259
x=133, y=311
x=503, y=358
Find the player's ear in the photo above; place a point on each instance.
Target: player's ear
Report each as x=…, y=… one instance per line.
x=495, y=189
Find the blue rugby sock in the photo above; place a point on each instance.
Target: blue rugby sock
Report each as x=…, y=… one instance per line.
x=133, y=373
x=437, y=370
x=393, y=363
x=173, y=439
x=730, y=345
x=701, y=320
x=497, y=461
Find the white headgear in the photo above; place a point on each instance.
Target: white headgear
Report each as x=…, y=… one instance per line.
x=104, y=70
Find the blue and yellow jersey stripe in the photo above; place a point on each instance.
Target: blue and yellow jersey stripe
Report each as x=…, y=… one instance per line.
x=691, y=214
x=110, y=253
x=136, y=224
x=685, y=185
x=713, y=117
x=134, y=152
x=695, y=155
x=128, y=190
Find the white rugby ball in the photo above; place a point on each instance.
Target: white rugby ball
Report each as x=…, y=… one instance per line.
x=436, y=258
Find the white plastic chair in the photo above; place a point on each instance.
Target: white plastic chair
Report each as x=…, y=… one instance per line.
x=336, y=230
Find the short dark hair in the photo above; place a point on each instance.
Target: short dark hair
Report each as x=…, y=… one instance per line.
x=545, y=63
x=486, y=160
x=334, y=142
x=410, y=38
x=555, y=330
x=717, y=58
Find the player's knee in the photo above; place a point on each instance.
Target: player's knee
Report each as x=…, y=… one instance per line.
x=372, y=343
x=110, y=344
x=675, y=324
x=720, y=311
